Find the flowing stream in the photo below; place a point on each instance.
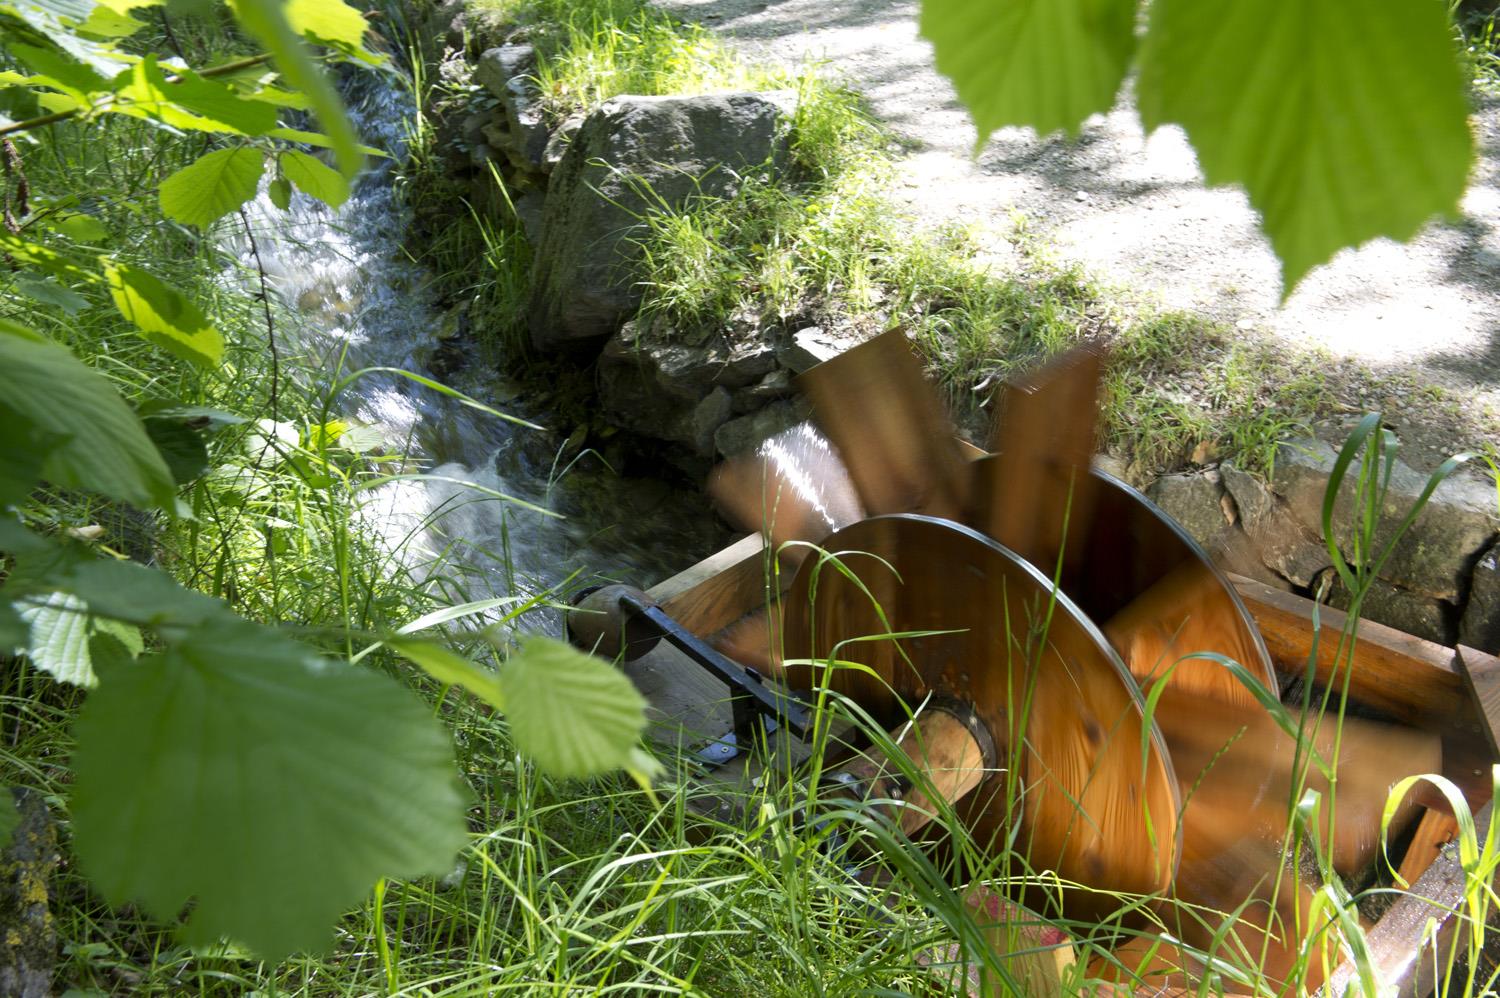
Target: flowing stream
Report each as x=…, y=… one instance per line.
x=351, y=299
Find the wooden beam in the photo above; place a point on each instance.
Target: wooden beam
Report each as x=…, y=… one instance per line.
x=1481, y=673
x=1403, y=965
x=718, y=590
x=1411, y=679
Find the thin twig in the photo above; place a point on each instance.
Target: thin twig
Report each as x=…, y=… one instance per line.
x=265, y=303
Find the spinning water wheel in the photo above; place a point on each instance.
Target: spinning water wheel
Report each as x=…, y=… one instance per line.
x=1010, y=617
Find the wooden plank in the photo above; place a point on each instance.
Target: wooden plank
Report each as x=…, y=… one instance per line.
x=1402, y=964
x=1481, y=672
x=1436, y=830
x=1411, y=679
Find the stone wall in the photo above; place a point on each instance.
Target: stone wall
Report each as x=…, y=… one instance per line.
x=1440, y=582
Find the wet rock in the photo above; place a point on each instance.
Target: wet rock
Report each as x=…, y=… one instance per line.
x=1193, y=501
x=632, y=155
x=740, y=436
x=1433, y=557
x=1402, y=609
x=1480, y=627
x=496, y=67
x=30, y=939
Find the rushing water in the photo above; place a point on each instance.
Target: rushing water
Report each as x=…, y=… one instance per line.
x=351, y=299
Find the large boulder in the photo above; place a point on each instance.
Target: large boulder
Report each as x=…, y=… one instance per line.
x=631, y=156
x=1434, y=556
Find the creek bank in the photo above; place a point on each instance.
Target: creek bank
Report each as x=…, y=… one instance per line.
x=692, y=396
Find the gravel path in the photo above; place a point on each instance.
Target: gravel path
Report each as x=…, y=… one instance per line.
x=1133, y=209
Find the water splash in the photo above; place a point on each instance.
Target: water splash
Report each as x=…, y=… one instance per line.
x=350, y=299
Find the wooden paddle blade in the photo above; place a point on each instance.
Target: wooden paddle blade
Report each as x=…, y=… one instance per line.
x=1168, y=631
x=1036, y=491
x=792, y=488
x=889, y=427
x=1241, y=772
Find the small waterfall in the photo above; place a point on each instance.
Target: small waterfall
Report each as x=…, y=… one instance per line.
x=351, y=299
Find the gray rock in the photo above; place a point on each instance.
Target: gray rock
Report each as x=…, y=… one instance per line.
x=30, y=859
x=630, y=396
x=775, y=385
x=1480, y=627
x=1275, y=536
x=740, y=436
x=559, y=140
x=690, y=370
x=1432, y=558
x=447, y=21
x=708, y=416
x=1288, y=549
x=1110, y=465
x=677, y=148
x=528, y=130
x=498, y=66
x=530, y=208
x=1193, y=501
x=808, y=348
x=1402, y=609
x=1252, y=498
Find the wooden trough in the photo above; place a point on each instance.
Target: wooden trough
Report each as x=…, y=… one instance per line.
x=1455, y=691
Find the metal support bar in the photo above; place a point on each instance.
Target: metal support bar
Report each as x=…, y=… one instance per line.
x=750, y=693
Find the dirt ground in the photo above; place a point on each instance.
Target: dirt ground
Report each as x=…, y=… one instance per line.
x=1132, y=209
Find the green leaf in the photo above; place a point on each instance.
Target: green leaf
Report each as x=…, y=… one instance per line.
x=81, y=228
x=315, y=179
x=13, y=630
x=1343, y=120
x=447, y=666
x=119, y=590
x=333, y=23
x=163, y=315
x=574, y=714
x=192, y=102
x=280, y=191
x=267, y=21
x=103, y=445
x=1044, y=63
x=24, y=447
x=58, y=639
x=273, y=787
x=47, y=291
x=214, y=185
x=181, y=446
